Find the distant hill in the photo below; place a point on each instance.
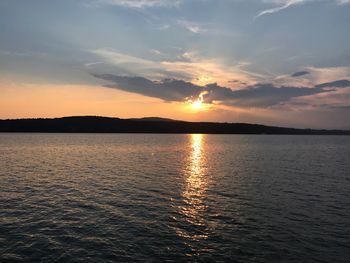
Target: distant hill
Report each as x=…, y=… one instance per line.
x=151, y=119
x=95, y=124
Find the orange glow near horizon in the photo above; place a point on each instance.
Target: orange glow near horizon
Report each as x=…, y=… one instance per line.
x=23, y=100
x=38, y=100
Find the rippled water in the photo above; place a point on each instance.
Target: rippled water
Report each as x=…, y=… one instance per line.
x=123, y=197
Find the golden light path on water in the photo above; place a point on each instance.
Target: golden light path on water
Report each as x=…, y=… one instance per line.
x=195, y=186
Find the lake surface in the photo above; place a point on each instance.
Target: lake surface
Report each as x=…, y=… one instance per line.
x=203, y=198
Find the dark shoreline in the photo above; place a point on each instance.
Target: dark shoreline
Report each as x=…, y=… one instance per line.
x=93, y=124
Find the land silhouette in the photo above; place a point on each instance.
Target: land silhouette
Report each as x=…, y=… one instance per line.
x=95, y=124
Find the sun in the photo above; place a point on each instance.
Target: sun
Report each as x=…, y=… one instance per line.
x=197, y=104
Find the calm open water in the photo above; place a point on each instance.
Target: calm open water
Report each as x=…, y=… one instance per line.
x=140, y=198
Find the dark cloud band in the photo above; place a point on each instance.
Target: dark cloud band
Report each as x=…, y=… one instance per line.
x=260, y=95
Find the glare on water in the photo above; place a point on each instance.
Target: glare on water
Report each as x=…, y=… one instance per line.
x=195, y=186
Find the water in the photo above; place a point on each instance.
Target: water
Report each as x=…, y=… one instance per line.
x=141, y=198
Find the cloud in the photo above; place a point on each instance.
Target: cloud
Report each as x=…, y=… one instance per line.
x=280, y=4
x=257, y=96
x=334, y=84
x=156, y=51
x=335, y=99
x=300, y=73
x=167, y=90
x=188, y=66
x=283, y=4
x=24, y=54
x=119, y=58
x=314, y=77
x=343, y=2
x=92, y=64
x=191, y=26
x=137, y=3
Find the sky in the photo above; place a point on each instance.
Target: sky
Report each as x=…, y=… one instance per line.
x=274, y=62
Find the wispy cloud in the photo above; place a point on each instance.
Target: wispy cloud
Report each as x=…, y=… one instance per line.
x=280, y=4
x=92, y=64
x=312, y=76
x=283, y=4
x=114, y=57
x=156, y=51
x=191, y=26
x=188, y=66
x=137, y=3
x=23, y=54
x=343, y=2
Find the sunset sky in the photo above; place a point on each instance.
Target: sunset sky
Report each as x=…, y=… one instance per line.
x=275, y=62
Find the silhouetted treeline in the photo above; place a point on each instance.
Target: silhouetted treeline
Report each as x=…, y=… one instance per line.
x=91, y=124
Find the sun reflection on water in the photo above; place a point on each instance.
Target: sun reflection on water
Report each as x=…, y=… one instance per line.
x=195, y=186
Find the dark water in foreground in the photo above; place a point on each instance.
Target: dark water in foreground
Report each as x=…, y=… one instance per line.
x=139, y=198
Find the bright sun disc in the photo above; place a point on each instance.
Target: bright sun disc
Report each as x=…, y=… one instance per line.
x=197, y=104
